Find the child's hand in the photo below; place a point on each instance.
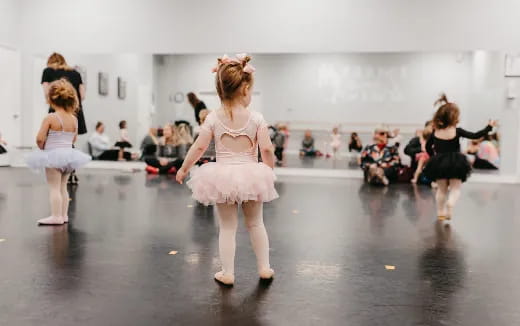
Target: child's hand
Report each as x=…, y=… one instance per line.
x=181, y=175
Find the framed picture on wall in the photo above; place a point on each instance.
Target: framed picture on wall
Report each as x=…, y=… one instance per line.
x=121, y=88
x=103, y=83
x=512, y=68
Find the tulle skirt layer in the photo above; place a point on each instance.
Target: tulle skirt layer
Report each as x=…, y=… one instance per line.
x=452, y=165
x=218, y=183
x=64, y=159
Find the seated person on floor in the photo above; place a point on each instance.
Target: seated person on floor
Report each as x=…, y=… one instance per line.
x=184, y=139
x=483, y=154
x=414, y=147
x=164, y=159
x=124, y=141
x=149, y=139
x=308, y=146
x=355, y=144
x=380, y=161
x=3, y=145
x=102, y=148
x=210, y=154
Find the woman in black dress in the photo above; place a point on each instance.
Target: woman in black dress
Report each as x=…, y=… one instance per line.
x=197, y=105
x=58, y=68
x=447, y=165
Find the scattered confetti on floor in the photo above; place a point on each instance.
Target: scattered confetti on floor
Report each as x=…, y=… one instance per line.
x=390, y=267
x=173, y=252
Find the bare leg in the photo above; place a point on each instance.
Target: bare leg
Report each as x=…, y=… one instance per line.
x=253, y=212
x=442, y=191
x=420, y=167
x=65, y=197
x=455, y=185
x=54, y=182
x=228, y=221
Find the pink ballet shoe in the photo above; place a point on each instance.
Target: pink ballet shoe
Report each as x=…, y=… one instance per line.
x=65, y=219
x=51, y=220
x=266, y=274
x=222, y=278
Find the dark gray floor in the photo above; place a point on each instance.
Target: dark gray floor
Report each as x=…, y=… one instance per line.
x=111, y=266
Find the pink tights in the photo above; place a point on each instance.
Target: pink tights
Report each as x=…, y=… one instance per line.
x=228, y=220
x=58, y=194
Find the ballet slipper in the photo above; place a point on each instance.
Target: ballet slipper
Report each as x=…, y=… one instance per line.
x=414, y=181
x=225, y=279
x=65, y=219
x=449, y=213
x=51, y=220
x=266, y=274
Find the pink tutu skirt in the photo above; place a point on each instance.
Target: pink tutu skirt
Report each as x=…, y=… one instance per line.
x=218, y=183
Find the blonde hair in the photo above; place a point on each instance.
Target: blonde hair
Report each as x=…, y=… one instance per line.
x=57, y=61
x=184, y=135
x=63, y=95
x=230, y=78
x=171, y=140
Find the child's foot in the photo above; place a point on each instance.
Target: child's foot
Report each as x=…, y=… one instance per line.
x=65, y=219
x=414, y=181
x=225, y=279
x=51, y=220
x=434, y=185
x=449, y=212
x=266, y=274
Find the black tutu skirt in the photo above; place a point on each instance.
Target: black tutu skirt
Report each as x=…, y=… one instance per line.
x=123, y=144
x=452, y=165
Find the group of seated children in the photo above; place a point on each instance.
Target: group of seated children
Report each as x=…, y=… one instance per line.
x=332, y=147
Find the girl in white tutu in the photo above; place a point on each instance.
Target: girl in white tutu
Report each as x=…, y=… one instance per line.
x=237, y=178
x=56, y=156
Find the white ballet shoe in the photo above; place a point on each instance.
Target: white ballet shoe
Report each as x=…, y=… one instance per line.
x=266, y=274
x=51, y=220
x=65, y=219
x=225, y=279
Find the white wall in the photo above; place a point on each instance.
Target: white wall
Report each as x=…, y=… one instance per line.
x=329, y=88
x=10, y=16
x=270, y=26
x=137, y=70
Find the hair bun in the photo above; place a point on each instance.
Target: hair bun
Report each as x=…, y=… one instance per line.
x=443, y=99
x=63, y=94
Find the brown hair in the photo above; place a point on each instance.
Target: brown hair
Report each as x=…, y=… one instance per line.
x=122, y=124
x=98, y=124
x=230, y=77
x=57, y=61
x=63, y=95
x=193, y=99
x=426, y=133
x=447, y=115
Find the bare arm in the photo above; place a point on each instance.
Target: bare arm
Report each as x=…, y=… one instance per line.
x=46, y=91
x=41, y=138
x=194, y=154
x=266, y=147
x=82, y=92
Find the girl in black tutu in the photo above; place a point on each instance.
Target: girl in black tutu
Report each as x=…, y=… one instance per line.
x=448, y=166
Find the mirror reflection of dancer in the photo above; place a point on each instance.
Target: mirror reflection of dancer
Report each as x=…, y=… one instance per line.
x=58, y=68
x=447, y=165
x=237, y=178
x=57, y=157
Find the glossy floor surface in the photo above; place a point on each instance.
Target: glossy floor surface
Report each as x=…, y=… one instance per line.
x=334, y=244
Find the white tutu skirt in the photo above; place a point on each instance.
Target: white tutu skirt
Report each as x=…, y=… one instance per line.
x=64, y=159
x=218, y=183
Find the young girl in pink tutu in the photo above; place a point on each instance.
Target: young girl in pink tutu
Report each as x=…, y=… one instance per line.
x=237, y=178
x=56, y=155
